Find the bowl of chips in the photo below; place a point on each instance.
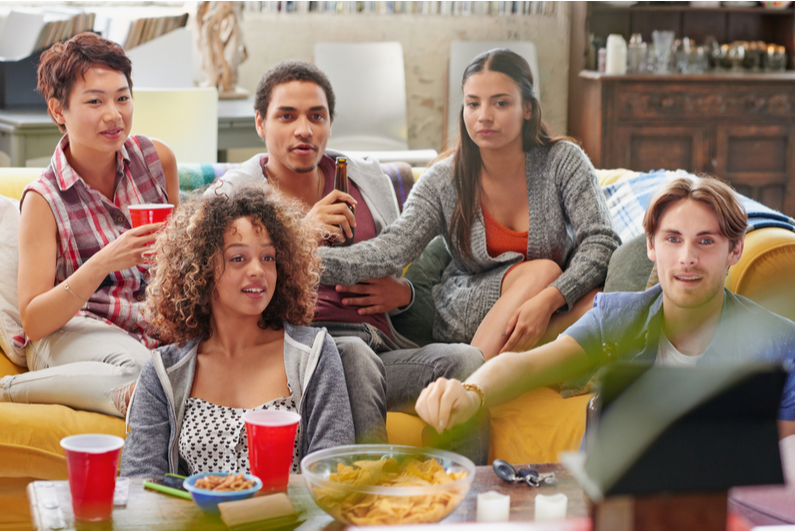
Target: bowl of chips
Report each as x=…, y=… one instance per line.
x=381, y=484
x=208, y=489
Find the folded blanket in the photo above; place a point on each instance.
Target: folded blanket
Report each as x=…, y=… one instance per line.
x=628, y=199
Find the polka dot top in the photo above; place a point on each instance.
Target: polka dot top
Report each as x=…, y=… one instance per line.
x=213, y=438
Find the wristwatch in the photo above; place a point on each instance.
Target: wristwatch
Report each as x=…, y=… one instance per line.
x=478, y=391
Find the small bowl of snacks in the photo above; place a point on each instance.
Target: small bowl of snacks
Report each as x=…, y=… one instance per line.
x=208, y=489
x=381, y=484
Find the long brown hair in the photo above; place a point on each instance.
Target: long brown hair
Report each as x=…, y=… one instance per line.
x=467, y=161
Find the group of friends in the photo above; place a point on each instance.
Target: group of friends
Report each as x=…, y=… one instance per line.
x=241, y=301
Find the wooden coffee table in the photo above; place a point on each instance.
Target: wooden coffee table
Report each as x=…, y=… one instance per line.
x=148, y=510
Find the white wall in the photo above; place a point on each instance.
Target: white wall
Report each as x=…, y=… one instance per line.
x=271, y=38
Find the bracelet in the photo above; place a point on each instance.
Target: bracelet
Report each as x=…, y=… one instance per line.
x=67, y=288
x=478, y=390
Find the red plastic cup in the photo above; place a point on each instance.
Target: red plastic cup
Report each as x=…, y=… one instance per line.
x=146, y=213
x=91, y=463
x=271, y=438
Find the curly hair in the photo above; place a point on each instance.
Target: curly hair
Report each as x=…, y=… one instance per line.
x=190, y=250
x=60, y=65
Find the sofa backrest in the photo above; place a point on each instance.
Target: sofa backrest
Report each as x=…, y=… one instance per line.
x=197, y=176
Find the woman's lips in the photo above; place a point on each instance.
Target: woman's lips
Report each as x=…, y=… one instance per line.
x=487, y=132
x=112, y=133
x=254, y=292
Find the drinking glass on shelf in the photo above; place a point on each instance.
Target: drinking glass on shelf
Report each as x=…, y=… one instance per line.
x=681, y=51
x=636, y=54
x=663, y=41
x=736, y=56
x=699, y=60
x=648, y=63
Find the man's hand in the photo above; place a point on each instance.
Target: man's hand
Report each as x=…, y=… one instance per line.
x=377, y=295
x=331, y=213
x=445, y=403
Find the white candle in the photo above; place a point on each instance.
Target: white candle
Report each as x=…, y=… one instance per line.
x=551, y=507
x=493, y=507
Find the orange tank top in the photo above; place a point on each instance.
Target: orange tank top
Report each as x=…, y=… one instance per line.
x=501, y=239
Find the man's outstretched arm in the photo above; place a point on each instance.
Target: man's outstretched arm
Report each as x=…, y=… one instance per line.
x=445, y=403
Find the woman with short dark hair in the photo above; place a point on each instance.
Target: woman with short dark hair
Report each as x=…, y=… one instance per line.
x=82, y=267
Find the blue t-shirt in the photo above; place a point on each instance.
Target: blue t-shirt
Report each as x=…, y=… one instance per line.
x=627, y=326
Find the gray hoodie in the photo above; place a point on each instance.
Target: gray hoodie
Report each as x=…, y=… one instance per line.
x=314, y=373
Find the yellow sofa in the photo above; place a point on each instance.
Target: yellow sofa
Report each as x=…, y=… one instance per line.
x=30, y=434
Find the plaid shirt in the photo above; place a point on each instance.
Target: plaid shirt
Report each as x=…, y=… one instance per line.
x=87, y=221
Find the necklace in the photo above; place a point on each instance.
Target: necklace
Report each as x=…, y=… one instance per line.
x=320, y=181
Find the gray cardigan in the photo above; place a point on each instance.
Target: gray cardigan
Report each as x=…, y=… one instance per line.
x=570, y=224
x=314, y=372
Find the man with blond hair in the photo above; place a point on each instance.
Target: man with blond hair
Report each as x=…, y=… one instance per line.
x=695, y=231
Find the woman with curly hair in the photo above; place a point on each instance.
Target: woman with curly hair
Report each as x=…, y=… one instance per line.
x=234, y=289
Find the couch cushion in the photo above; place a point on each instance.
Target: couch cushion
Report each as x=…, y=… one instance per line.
x=10, y=323
x=425, y=272
x=629, y=267
x=14, y=180
x=31, y=434
x=537, y=426
x=764, y=273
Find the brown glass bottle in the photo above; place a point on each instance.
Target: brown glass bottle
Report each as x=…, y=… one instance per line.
x=341, y=184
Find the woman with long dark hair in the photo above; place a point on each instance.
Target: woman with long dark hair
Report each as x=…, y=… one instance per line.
x=521, y=212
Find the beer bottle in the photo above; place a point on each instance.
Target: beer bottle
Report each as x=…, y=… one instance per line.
x=341, y=184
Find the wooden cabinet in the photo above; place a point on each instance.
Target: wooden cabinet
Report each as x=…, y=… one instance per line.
x=740, y=127
x=660, y=147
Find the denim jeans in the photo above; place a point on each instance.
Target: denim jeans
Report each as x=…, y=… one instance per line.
x=85, y=364
x=404, y=373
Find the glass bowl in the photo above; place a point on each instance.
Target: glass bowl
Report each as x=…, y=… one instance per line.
x=208, y=500
x=368, y=504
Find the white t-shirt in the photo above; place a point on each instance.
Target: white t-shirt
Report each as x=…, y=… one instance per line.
x=668, y=356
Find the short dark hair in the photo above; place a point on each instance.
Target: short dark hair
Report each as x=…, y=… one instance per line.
x=714, y=193
x=285, y=72
x=64, y=61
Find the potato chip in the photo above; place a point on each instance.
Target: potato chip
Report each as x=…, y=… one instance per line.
x=378, y=509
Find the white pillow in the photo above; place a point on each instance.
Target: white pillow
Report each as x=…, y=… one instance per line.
x=10, y=323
